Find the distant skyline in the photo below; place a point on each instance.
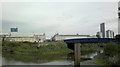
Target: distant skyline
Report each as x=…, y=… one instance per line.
x=60, y=17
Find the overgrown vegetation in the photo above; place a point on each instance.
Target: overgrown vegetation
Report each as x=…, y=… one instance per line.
x=27, y=48
x=60, y=47
x=117, y=36
x=27, y=52
x=111, y=55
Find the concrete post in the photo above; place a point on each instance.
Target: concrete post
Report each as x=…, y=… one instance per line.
x=77, y=54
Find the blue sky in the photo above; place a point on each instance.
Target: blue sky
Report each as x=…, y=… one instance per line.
x=59, y=17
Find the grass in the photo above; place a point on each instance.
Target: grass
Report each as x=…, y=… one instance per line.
x=51, y=48
x=100, y=62
x=26, y=48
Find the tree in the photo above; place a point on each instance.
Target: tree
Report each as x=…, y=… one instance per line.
x=3, y=37
x=117, y=36
x=98, y=36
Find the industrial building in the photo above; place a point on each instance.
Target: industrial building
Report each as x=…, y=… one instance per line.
x=31, y=37
x=58, y=37
x=14, y=35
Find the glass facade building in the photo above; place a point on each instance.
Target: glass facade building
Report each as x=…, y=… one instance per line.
x=13, y=29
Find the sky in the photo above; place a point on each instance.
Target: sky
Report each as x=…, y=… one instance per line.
x=59, y=0
x=59, y=17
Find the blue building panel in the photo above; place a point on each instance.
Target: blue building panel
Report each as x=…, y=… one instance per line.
x=13, y=29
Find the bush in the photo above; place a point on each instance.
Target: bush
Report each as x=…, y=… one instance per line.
x=111, y=49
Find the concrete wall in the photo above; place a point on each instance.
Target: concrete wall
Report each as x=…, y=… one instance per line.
x=39, y=38
x=30, y=39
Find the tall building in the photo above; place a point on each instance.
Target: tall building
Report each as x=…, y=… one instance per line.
x=109, y=34
x=119, y=17
x=102, y=29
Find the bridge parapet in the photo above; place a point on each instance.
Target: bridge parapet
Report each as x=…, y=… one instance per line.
x=71, y=42
x=92, y=40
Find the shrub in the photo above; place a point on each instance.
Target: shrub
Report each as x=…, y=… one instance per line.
x=111, y=49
